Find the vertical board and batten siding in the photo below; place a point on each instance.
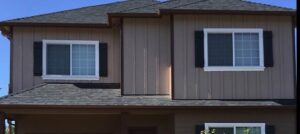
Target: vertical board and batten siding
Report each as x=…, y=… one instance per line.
x=147, y=59
x=272, y=83
x=23, y=38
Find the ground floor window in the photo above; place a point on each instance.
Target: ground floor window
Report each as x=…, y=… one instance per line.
x=235, y=128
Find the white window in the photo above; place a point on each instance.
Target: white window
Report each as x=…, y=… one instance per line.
x=236, y=128
x=233, y=49
x=70, y=60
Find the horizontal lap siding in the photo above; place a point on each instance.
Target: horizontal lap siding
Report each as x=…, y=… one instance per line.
x=193, y=83
x=147, y=56
x=23, y=38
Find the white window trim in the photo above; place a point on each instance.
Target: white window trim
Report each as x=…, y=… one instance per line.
x=70, y=77
x=233, y=31
x=234, y=125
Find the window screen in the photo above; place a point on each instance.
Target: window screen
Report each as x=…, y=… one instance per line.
x=248, y=130
x=222, y=130
x=58, y=59
x=220, y=49
x=235, y=128
x=246, y=49
x=83, y=59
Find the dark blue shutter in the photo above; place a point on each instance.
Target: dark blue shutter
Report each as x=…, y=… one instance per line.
x=37, y=58
x=268, y=48
x=103, y=60
x=199, y=128
x=199, y=49
x=270, y=129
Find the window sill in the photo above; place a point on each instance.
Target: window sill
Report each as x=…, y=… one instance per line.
x=234, y=69
x=59, y=77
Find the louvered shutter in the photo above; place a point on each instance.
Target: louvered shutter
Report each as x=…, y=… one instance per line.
x=37, y=58
x=103, y=60
x=199, y=49
x=268, y=48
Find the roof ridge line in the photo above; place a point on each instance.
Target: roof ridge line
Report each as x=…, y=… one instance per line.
x=107, y=4
x=252, y=2
x=188, y=4
x=148, y=5
x=23, y=91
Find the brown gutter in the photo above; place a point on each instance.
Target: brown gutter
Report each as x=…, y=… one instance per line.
x=122, y=55
x=13, y=106
x=10, y=90
x=172, y=56
x=226, y=12
x=80, y=25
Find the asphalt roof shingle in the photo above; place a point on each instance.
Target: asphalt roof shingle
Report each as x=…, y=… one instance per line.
x=228, y=5
x=85, y=15
x=99, y=14
x=69, y=94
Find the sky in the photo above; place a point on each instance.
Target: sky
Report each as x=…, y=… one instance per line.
x=10, y=9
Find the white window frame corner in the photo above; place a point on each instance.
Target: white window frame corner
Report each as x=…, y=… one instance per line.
x=45, y=76
x=261, y=66
x=97, y=59
x=234, y=125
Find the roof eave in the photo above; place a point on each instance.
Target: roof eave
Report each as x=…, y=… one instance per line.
x=83, y=25
x=230, y=12
x=18, y=106
x=6, y=31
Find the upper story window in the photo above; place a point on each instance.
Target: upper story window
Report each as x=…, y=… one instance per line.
x=67, y=59
x=233, y=49
x=236, y=128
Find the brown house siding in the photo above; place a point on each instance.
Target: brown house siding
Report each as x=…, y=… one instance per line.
x=167, y=121
x=147, y=59
x=193, y=83
x=91, y=124
x=185, y=122
x=87, y=124
x=22, y=70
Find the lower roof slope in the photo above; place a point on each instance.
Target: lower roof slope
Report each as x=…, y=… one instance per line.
x=72, y=95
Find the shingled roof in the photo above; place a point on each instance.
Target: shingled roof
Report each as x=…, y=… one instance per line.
x=72, y=95
x=99, y=14
x=212, y=5
x=85, y=15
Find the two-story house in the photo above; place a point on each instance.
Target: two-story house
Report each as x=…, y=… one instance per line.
x=150, y=67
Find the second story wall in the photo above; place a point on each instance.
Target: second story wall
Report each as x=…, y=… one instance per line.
x=147, y=59
x=194, y=83
x=22, y=51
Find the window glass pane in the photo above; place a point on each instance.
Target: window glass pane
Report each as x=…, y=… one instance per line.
x=58, y=59
x=246, y=49
x=248, y=130
x=221, y=130
x=220, y=50
x=83, y=59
